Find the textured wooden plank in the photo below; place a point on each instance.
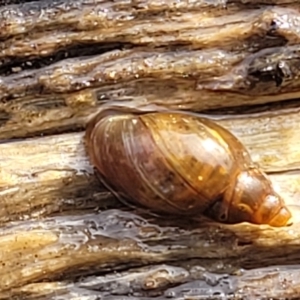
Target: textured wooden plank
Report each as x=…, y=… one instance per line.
x=77, y=245
x=212, y=54
x=176, y=280
x=42, y=175
x=59, y=61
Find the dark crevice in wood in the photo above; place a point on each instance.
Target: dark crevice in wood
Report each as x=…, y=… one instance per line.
x=252, y=109
x=241, y=243
x=11, y=2
x=13, y=65
x=53, y=131
x=4, y=117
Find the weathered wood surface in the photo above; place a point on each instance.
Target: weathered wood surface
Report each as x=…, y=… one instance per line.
x=229, y=53
x=46, y=173
x=62, y=234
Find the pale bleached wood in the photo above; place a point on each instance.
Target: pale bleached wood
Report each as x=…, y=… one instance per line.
x=29, y=14
x=271, y=138
x=56, y=156
x=236, y=26
x=83, y=244
x=39, y=176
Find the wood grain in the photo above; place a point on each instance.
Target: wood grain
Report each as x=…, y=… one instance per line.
x=62, y=234
x=57, y=166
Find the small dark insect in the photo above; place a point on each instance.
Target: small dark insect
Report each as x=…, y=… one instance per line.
x=180, y=163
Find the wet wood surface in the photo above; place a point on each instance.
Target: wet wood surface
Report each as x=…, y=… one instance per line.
x=62, y=234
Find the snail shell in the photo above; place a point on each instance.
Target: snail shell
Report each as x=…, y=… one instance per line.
x=181, y=163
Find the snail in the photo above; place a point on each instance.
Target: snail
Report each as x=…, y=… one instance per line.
x=176, y=162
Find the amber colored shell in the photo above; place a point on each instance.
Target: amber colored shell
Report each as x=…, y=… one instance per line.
x=179, y=163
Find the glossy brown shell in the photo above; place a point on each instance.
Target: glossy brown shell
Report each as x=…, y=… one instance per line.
x=179, y=163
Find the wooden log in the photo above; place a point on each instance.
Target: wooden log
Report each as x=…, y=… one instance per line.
x=78, y=245
x=47, y=92
x=239, y=24
x=236, y=24
x=147, y=282
x=239, y=73
x=57, y=166
x=41, y=175
x=61, y=233
x=65, y=109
